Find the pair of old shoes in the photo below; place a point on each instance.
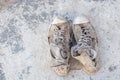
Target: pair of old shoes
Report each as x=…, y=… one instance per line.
x=84, y=51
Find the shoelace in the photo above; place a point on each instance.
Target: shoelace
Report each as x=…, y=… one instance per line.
x=59, y=39
x=59, y=36
x=85, y=40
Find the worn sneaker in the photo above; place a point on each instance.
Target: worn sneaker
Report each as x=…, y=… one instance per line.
x=85, y=51
x=58, y=38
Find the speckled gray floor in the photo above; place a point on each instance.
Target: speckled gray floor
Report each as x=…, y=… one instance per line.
x=24, y=50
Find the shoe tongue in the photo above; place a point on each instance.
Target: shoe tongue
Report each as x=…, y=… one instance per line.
x=84, y=50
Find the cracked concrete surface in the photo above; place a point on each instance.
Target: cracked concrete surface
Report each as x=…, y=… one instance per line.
x=24, y=50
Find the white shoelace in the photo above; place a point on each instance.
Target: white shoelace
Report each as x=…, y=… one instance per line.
x=85, y=39
x=59, y=37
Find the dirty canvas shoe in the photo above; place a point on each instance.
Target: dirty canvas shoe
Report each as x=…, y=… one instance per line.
x=85, y=51
x=58, y=38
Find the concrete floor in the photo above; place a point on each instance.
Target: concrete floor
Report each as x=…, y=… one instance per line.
x=24, y=50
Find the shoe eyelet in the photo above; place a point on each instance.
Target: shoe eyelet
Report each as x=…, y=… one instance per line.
x=64, y=54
